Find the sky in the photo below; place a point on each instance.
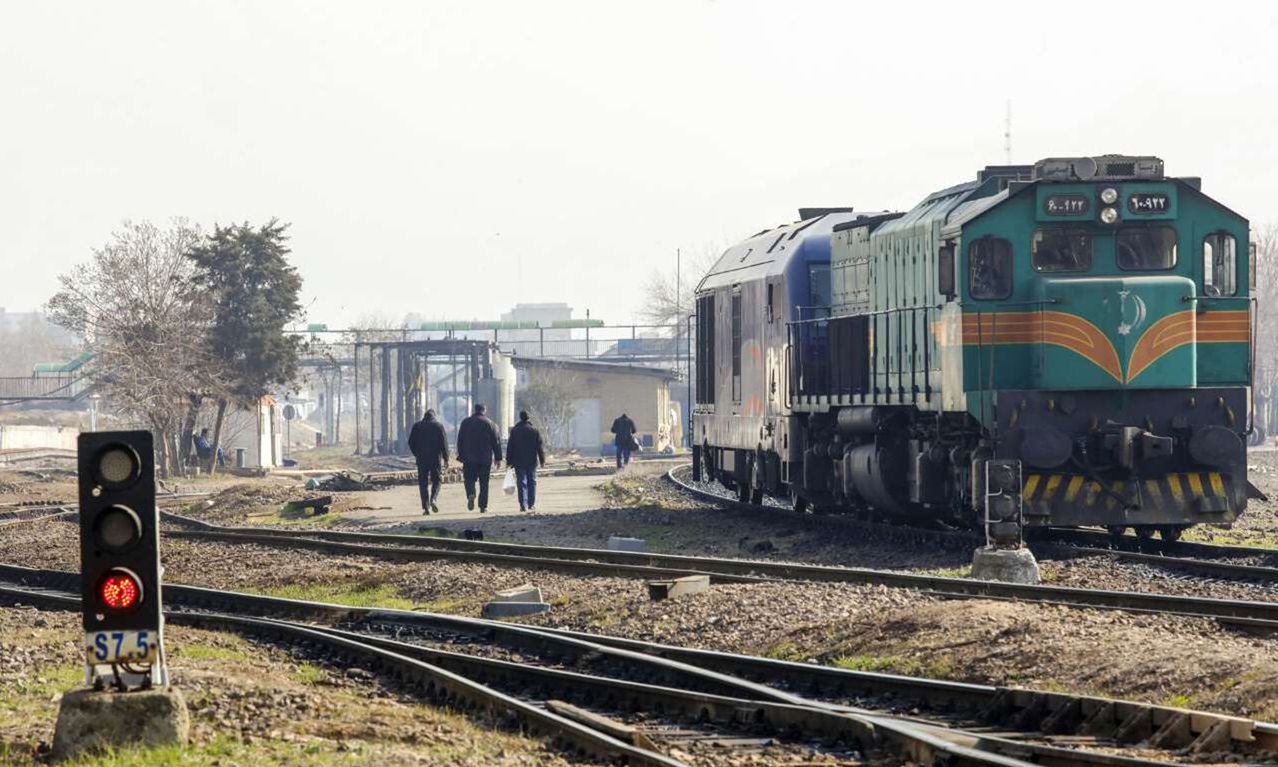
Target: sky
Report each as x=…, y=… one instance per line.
x=450, y=159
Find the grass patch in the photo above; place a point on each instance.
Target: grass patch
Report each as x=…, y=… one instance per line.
x=939, y=668
x=212, y=652
x=285, y=517
x=351, y=594
x=962, y=571
x=224, y=750
x=441, y=605
x=784, y=650
x=1177, y=701
x=309, y=673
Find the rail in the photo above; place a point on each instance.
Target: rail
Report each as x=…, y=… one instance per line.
x=711, y=686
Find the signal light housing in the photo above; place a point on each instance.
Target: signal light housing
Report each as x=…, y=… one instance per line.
x=119, y=532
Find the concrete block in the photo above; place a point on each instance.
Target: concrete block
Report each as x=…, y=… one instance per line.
x=679, y=587
x=524, y=593
x=617, y=543
x=1005, y=565
x=90, y=721
x=513, y=609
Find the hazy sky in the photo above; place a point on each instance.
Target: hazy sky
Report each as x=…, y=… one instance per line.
x=450, y=159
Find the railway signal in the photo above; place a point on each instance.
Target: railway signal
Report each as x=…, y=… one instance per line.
x=120, y=559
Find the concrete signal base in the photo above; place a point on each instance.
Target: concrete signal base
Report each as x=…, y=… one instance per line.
x=1005, y=565
x=91, y=721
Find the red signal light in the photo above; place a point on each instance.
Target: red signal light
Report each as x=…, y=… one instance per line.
x=119, y=591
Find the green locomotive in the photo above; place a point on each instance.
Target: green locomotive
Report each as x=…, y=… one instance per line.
x=1061, y=344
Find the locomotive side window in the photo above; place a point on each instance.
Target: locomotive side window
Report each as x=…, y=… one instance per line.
x=1220, y=264
x=1060, y=249
x=1145, y=247
x=736, y=346
x=705, y=350
x=989, y=268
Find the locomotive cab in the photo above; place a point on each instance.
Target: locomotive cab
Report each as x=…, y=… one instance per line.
x=1111, y=347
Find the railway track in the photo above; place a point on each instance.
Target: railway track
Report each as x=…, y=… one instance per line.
x=1203, y=559
x=687, y=697
x=1260, y=615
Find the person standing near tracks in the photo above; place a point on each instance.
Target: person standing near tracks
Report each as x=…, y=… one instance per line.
x=479, y=450
x=429, y=444
x=624, y=428
x=524, y=453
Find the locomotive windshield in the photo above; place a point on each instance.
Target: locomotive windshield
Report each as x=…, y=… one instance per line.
x=1058, y=249
x=1145, y=247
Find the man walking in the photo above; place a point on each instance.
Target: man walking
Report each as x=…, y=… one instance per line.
x=429, y=444
x=524, y=453
x=624, y=428
x=479, y=450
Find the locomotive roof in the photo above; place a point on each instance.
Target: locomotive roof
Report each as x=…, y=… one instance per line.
x=769, y=251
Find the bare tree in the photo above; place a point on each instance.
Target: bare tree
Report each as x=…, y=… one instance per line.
x=134, y=304
x=548, y=398
x=1266, y=306
x=668, y=294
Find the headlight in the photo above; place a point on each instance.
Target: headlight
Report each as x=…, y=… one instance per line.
x=1109, y=196
x=1108, y=215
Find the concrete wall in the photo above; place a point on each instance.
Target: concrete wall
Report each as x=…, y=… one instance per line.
x=21, y=437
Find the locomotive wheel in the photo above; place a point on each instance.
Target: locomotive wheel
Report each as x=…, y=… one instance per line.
x=1115, y=532
x=1170, y=533
x=1145, y=532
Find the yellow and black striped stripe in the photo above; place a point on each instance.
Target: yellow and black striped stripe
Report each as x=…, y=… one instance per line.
x=1179, y=490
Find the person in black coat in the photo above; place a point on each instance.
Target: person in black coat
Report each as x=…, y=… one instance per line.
x=625, y=430
x=524, y=454
x=479, y=450
x=429, y=445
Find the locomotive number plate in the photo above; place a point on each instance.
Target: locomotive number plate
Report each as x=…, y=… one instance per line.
x=1149, y=202
x=1066, y=205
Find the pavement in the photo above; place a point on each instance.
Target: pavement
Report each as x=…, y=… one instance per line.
x=401, y=504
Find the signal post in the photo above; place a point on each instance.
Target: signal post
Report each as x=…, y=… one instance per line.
x=128, y=699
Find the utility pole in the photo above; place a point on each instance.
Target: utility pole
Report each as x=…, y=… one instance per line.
x=679, y=313
x=1007, y=133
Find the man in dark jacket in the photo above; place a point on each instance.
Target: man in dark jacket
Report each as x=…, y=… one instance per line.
x=478, y=449
x=429, y=444
x=523, y=454
x=624, y=428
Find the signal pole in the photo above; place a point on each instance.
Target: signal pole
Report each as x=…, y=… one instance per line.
x=127, y=699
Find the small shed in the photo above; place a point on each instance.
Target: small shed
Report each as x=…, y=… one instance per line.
x=594, y=394
x=257, y=431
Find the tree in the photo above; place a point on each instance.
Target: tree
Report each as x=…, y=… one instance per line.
x=669, y=295
x=254, y=291
x=1266, y=342
x=135, y=305
x=548, y=398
